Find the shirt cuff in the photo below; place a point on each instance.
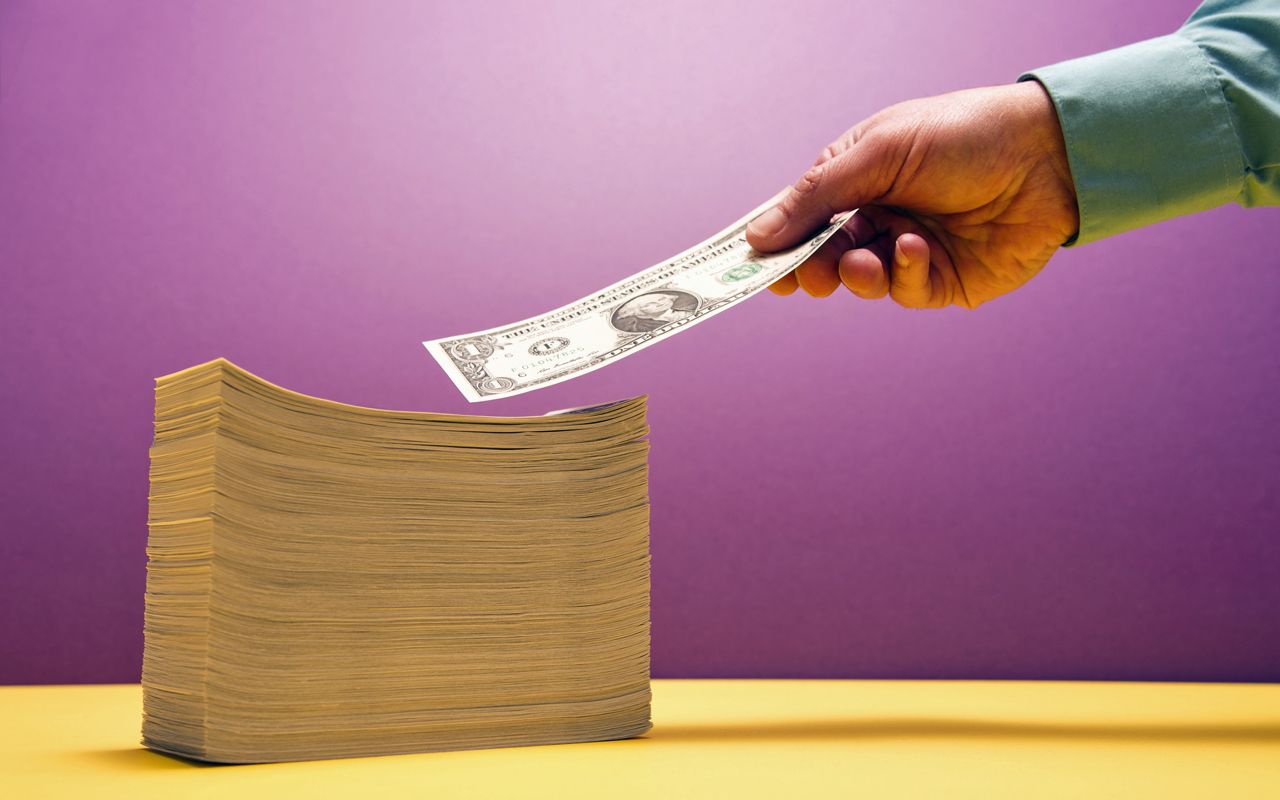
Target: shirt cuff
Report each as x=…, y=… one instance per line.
x=1148, y=132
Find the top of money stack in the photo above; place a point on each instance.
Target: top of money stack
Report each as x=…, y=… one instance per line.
x=326, y=580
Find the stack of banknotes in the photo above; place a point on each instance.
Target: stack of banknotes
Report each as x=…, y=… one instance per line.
x=328, y=581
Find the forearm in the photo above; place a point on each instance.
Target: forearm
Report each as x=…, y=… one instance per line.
x=1176, y=124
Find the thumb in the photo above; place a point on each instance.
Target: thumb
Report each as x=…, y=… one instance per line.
x=829, y=188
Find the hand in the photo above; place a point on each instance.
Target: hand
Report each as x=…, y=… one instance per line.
x=960, y=198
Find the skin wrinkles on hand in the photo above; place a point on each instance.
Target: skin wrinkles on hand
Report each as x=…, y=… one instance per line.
x=962, y=198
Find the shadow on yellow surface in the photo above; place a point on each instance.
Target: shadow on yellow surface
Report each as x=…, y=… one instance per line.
x=134, y=759
x=739, y=738
x=831, y=730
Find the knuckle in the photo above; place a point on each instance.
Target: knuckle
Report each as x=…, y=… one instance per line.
x=829, y=152
x=810, y=181
x=906, y=297
x=840, y=146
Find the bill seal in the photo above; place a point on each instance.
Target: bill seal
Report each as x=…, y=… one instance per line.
x=740, y=272
x=552, y=344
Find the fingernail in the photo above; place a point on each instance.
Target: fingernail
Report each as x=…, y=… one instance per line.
x=768, y=223
x=899, y=257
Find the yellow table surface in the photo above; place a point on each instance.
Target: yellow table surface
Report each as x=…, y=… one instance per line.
x=727, y=738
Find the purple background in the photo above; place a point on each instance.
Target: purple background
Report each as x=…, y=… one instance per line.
x=1079, y=480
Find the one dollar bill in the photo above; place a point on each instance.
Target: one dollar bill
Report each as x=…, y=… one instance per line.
x=620, y=319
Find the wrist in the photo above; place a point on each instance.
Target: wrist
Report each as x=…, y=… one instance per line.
x=1037, y=118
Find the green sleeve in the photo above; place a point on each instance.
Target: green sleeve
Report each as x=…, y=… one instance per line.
x=1174, y=125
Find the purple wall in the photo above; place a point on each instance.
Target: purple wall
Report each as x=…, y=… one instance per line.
x=1080, y=480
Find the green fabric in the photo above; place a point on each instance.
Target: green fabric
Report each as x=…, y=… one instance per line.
x=1174, y=125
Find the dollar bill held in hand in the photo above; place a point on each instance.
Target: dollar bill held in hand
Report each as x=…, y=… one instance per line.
x=621, y=319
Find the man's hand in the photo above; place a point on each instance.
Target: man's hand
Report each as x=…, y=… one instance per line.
x=961, y=198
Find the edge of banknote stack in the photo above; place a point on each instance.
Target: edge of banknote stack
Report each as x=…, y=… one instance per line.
x=327, y=581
